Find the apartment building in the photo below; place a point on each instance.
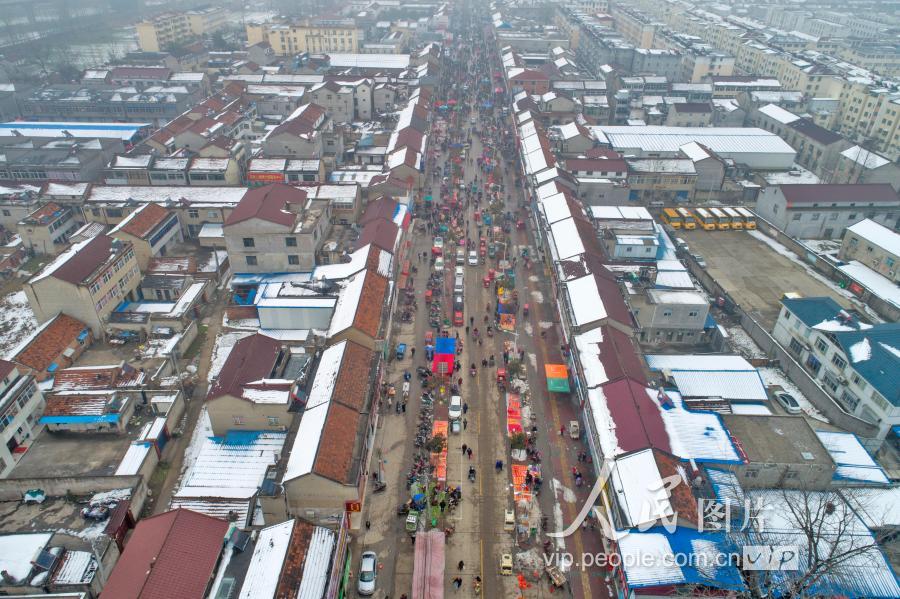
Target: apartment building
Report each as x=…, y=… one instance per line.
x=276, y=228
x=859, y=165
x=636, y=26
x=173, y=29
x=874, y=245
x=87, y=282
x=47, y=229
x=315, y=38
x=21, y=406
x=855, y=362
x=824, y=211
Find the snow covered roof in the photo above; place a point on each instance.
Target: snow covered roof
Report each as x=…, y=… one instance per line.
x=269, y=553
x=697, y=361
x=585, y=300
x=878, y=284
x=865, y=158
x=877, y=234
x=779, y=114
x=566, y=239
x=854, y=464
x=18, y=551
x=639, y=489
x=740, y=385
x=134, y=458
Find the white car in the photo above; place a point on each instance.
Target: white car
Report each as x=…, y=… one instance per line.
x=439, y=264
x=458, y=272
x=455, y=410
x=473, y=258
x=439, y=243
x=368, y=565
x=788, y=402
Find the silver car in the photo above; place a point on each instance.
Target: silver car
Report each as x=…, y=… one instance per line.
x=368, y=573
x=788, y=402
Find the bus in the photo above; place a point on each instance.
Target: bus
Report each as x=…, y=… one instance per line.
x=687, y=218
x=722, y=221
x=671, y=217
x=749, y=218
x=707, y=221
x=737, y=222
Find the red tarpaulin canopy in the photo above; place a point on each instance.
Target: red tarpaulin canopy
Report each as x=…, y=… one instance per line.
x=428, y=565
x=447, y=360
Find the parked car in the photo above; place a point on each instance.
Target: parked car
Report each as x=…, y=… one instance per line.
x=455, y=410
x=439, y=264
x=368, y=564
x=788, y=402
x=473, y=258
x=458, y=271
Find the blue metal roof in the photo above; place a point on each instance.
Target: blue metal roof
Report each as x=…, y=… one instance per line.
x=882, y=346
x=79, y=419
x=812, y=310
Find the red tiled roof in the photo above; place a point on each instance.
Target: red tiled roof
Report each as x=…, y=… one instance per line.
x=269, y=203
x=597, y=164
x=292, y=568
x=252, y=358
x=49, y=344
x=635, y=416
x=618, y=355
x=411, y=138
x=861, y=193
x=145, y=220
x=45, y=214
x=337, y=446
x=692, y=107
x=5, y=368
x=304, y=123
x=170, y=556
x=88, y=259
x=98, y=377
x=383, y=207
x=352, y=385
x=371, y=303
x=530, y=75
x=381, y=233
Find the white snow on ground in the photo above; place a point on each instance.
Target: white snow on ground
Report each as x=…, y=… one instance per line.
x=560, y=525
x=774, y=376
x=860, y=351
x=538, y=297
x=532, y=359
x=828, y=247
x=202, y=431
x=529, y=330
x=224, y=343
x=534, y=278
x=568, y=495
x=16, y=320
x=94, y=531
x=246, y=324
x=743, y=343
x=545, y=325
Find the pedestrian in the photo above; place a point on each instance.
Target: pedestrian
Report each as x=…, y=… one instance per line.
x=562, y=431
x=465, y=423
x=469, y=452
x=499, y=465
x=442, y=505
x=368, y=525
x=467, y=331
x=460, y=565
x=464, y=448
x=465, y=407
x=403, y=407
x=457, y=582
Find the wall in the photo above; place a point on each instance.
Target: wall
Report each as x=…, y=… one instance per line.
x=12, y=489
x=223, y=410
x=318, y=499
x=794, y=371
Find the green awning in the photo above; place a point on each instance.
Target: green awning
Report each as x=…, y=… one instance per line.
x=558, y=385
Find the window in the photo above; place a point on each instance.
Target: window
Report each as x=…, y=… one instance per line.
x=790, y=474
x=693, y=313
x=821, y=346
x=816, y=216
x=249, y=242
x=237, y=420
x=290, y=242
x=6, y=212
x=193, y=213
x=273, y=420
x=853, y=241
x=294, y=259
x=838, y=361
x=795, y=346
x=251, y=260
x=212, y=214
x=750, y=473
x=797, y=216
x=849, y=400
x=833, y=216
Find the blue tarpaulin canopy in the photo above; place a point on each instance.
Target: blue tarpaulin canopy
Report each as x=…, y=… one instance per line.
x=445, y=345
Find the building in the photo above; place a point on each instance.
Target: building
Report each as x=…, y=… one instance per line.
x=276, y=228
x=248, y=393
x=55, y=345
x=151, y=230
x=875, y=246
x=666, y=317
x=154, y=562
x=782, y=452
x=308, y=133
x=858, y=165
x=156, y=104
x=667, y=180
x=856, y=363
x=63, y=159
x=47, y=229
x=330, y=454
x=87, y=281
x=824, y=211
x=314, y=38
x=170, y=30
x=689, y=114
x=21, y=405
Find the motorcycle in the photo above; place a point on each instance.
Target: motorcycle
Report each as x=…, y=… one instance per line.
x=379, y=487
x=472, y=473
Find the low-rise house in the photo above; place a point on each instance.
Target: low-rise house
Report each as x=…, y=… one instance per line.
x=825, y=211
x=358, y=311
x=87, y=411
x=214, y=171
x=21, y=405
x=54, y=345
x=151, y=230
x=47, y=229
x=710, y=168
x=276, y=228
x=307, y=133
x=87, y=282
x=248, y=394
x=154, y=564
x=859, y=165
x=874, y=245
x=666, y=317
x=661, y=179
x=689, y=114
x=330, y=454
x=781, y=452
x=853, y=361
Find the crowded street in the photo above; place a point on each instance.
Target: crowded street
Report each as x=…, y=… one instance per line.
x=510, y=468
